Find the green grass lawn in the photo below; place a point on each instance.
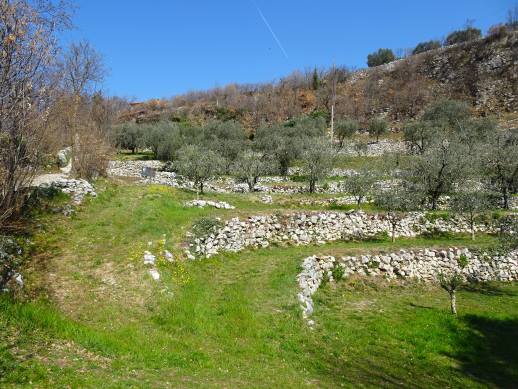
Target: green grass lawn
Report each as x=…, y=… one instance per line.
x=93, y=317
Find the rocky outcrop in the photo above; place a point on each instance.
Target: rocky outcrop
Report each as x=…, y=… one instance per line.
x=425, y=265
x=318, y=228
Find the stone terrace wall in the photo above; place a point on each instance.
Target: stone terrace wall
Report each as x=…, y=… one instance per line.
x=423, y=265
x=317, y=227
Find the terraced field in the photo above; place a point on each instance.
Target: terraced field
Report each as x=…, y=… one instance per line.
x=92, y=315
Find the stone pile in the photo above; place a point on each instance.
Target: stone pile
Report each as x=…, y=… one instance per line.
x=209, y=203
x=319, y=228
x=425, y=265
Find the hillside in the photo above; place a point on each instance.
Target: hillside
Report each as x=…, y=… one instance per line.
x=483, y=72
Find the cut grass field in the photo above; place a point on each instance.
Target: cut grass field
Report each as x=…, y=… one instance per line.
x=93, y=316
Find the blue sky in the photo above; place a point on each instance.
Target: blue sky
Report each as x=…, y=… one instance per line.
x=160, y=48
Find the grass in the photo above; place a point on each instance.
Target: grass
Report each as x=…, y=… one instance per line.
x=93, y=317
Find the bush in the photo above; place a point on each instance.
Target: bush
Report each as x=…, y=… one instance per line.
x=497, y=31
x=91, y=155
x=426, y=46
x=436, y=233
x=465, y=35
x=380, y=57
x=338, y=272
x=206, y=226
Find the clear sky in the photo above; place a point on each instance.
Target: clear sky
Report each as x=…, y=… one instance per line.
x=160, y=48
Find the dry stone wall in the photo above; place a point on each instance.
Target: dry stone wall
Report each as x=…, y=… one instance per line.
x=318, y=228
x=425, y=265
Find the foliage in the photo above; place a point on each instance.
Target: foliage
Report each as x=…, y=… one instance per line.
x=426, y=46
x=378, y=126
x=205, y=226
x=345, y=129
x=317, y=161
x=338, y=272
x=198, y=164
x=227, y=139
x=28, y=47
x=471, y=204
x=460, y=36
x=285, y=143
x=249, y=167
x=361, y=184
x=447, y=112
x=500, y=163
x=380, y=57
x=128, y=136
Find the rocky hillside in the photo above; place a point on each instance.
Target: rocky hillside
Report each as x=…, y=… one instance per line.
x=483, y=72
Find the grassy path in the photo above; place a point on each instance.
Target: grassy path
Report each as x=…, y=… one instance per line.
x=234, y=320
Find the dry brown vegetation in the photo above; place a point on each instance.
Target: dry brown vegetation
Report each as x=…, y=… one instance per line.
x=400, y=90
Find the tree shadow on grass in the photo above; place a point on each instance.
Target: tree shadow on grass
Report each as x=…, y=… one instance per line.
x=488, y=289
x=487, y=350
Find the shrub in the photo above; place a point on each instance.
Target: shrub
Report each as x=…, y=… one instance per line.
x=91, y=155
x=380, y=57
x=426, y=46
x=436, y=233
x=434, y=216
x=459, y=36
x=497, y=31
x=206, y=226
x=338, y=273
x=462, y=261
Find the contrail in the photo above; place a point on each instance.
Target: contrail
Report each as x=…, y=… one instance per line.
x=271, y=30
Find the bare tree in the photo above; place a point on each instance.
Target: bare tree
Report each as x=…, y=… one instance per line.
x=28, y=50
x=83, y=68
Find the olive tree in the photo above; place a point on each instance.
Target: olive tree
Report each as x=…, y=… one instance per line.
x=396, y=201
x=470, y=204
x=285, y=143
x=198, y=164
x=500, y=163
x=228, y=139
x=378, y=126
x=434, y=172
x=345, y=129
x=452, y=281
x=317, y=161
x=128, y=136
x=360, y=185
x=250, y=166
